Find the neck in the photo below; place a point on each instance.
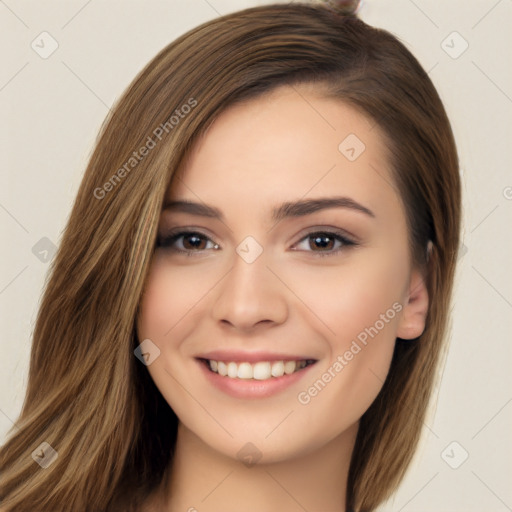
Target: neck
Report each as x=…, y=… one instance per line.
x=204, y=480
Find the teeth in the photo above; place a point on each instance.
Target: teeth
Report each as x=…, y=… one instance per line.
x=262, y=370
x=289, y=367
x=232, y=370
x=244, y=371
x=277, y=369
x=222, y=368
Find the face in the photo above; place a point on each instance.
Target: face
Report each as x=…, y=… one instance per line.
x=298, y=299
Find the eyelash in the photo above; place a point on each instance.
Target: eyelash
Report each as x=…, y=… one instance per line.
x=167, y=241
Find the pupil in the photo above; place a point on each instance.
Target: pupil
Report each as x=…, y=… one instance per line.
x=196, y=241
x=318, y=240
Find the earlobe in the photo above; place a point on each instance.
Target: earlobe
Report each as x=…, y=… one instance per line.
x=414, y=313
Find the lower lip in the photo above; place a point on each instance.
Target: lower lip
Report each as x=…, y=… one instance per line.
x=251, y=388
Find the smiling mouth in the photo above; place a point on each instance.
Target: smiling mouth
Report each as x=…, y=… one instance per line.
x=262, y=370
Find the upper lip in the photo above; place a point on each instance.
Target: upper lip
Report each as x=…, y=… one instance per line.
x=251, y=357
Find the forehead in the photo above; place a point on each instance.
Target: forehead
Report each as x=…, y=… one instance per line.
x=291, y=143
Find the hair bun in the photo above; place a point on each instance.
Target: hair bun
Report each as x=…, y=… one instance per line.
x=345, y=7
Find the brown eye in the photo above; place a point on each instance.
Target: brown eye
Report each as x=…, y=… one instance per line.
x=193, y=241
x=323, y=243
x=186, y=242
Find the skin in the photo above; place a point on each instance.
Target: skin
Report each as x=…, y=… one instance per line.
x=279, y=147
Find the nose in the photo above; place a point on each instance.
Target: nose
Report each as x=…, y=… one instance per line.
x=250, y=295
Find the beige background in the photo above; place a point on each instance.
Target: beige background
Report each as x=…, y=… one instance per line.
x=51, y=110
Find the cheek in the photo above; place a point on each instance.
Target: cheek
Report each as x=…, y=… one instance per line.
x=171, y=301
x=360, y=305
x=352, y=296
x=168, y=312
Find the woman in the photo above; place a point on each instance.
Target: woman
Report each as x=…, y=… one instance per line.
x=249, y=302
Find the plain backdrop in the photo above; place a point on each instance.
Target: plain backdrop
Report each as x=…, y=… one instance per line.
x=51, y=111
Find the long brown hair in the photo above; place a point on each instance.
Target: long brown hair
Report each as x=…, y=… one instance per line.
x=88, y=396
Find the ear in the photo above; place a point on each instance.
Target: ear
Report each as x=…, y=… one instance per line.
x=414, y=313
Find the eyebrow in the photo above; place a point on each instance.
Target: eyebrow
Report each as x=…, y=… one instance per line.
x=285, y=210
